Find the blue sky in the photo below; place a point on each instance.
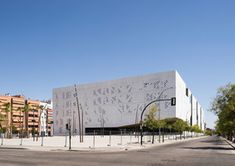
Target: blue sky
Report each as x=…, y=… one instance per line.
x=52, y=43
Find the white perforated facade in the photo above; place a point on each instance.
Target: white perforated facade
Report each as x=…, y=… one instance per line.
x=119, y=102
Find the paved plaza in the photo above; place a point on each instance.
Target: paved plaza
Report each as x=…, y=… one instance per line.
x=97, y=142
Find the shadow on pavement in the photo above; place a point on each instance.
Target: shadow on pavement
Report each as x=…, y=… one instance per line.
x=208, y=148
x=12, y=148
x=210, y=141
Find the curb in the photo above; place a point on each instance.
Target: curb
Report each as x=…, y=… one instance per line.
x=228, y=142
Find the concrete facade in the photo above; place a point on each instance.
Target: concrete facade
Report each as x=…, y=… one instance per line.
x=119, y=102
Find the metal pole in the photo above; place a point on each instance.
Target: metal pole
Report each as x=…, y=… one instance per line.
x=163, y=134
x=136, y=120
x=79, y=116
x=70, y=137
x=159, y=129
x=130, y=137
x=141, y=133
x=82, y=124
x=141, y=117
x=42, y=132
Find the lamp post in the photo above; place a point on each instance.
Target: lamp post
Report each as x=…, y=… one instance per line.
x=158, y=99
x=173, y=103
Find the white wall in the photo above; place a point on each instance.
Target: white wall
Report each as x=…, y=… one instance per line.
x=113, y=103
x=120, y=102
x=183, y=107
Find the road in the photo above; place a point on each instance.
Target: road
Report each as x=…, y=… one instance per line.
x=210, y=151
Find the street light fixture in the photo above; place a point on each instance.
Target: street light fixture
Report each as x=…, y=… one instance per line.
x=173, y=103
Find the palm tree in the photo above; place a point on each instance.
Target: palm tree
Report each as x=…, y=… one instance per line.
x=25, y=109
x=7, y=109
x=2, y=118
x=21, y=123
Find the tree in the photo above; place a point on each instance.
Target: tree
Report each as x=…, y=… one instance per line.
x=150, y=121
x=2, y=119
x=7, y=109
x=2, y=129
x=196, y=129
x=209, y=132
x=180, y=126
x=19, y=109
x=25, y=109
x=223, y=106
x=14, y=130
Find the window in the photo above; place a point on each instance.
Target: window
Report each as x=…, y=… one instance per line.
x=186, y=91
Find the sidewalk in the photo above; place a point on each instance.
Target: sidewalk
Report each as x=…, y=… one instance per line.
x=91, y=143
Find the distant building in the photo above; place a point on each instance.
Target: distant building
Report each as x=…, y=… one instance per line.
x=119, y=103
x=18, y=121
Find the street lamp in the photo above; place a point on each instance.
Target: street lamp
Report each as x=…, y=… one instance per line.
x=173, y=103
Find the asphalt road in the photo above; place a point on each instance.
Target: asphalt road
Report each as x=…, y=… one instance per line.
x=209, y=151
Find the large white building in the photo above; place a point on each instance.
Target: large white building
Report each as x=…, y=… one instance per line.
x=118, y=103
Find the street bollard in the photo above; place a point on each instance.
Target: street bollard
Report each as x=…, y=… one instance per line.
x=2, y=138
x=42, y=141
x=138, y=137
x=121, y=137
x=94, y=140
x=130, y=137
x=109, y=138
x=163, y=136
x=65, y=144
x=21, y=140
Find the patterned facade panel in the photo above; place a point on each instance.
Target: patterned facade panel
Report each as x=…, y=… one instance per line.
x=117, y=103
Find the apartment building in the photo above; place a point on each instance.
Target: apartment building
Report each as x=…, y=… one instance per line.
x=20, y=116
